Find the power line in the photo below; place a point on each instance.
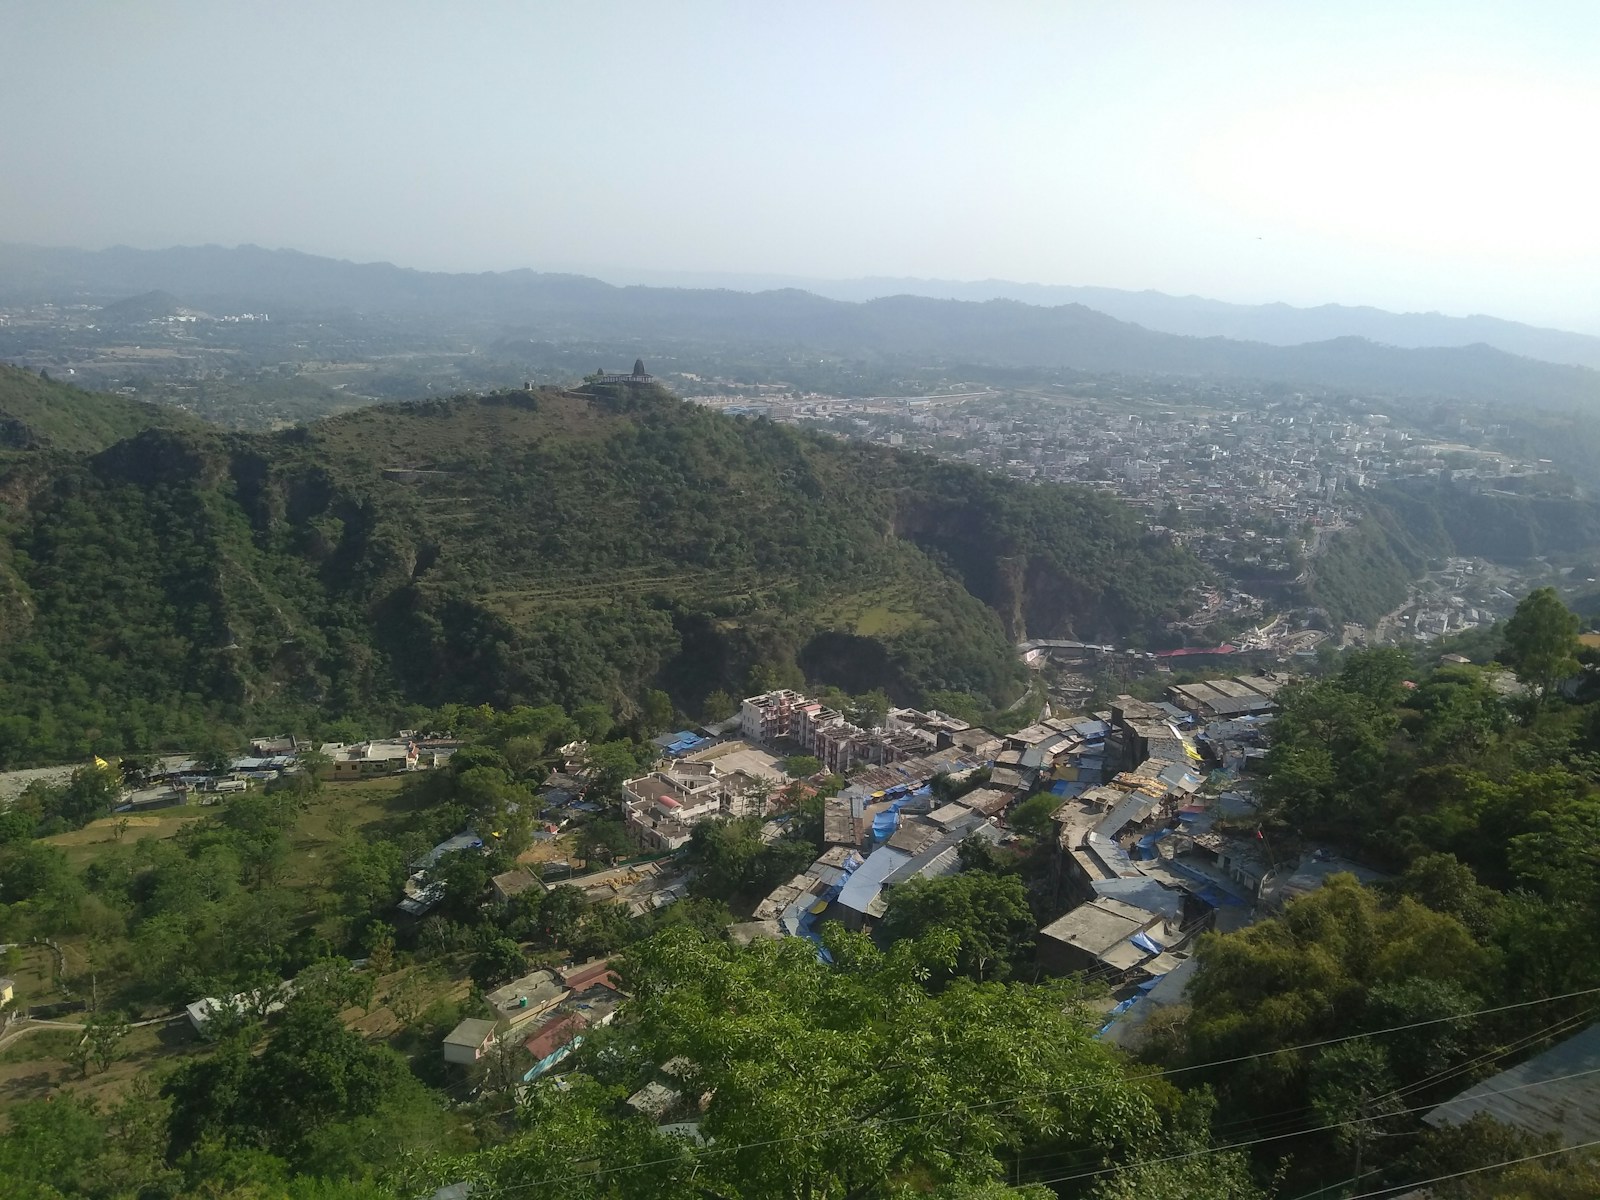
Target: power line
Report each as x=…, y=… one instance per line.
x=921, y=1116
x=1278, y=1137
x=1510, y=1162
x=1280, y=1120
x=1558, y=1029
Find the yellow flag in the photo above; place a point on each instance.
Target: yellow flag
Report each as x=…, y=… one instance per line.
x=101, y=763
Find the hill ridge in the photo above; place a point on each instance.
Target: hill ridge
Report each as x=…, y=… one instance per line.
x=40, y=413
x=572, y=546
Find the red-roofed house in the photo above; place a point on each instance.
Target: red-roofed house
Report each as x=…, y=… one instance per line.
x=553, y=1041
x=589, y=974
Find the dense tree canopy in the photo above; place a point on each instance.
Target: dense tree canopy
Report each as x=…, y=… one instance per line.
x=825, y=1081
x=642, y=555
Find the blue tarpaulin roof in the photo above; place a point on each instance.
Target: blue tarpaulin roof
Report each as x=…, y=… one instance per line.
x=1147, y=943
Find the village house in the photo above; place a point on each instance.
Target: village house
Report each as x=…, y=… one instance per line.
x=1554, y=1095
x=1107, y=938
x=511, y=884
x=366, y=759
x=469, y=1041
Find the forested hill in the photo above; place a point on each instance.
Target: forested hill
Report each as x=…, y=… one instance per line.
x=527, y=547
x=1408, y=524
x=39, y=413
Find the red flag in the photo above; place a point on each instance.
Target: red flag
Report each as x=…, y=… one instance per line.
x=1261, y=836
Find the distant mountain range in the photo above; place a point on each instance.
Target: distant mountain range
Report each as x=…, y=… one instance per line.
x=998, y=332
x=1190, y=316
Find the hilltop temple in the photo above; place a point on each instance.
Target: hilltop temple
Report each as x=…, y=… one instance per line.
x=639, y=375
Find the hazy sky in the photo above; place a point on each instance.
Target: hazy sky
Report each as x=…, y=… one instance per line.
x=1410, y=155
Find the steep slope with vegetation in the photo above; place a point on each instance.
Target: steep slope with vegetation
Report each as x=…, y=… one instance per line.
x=526, y=547
x=1364, y=571
x=40, y=413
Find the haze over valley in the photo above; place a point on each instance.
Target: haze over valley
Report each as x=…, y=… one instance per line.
x=857, y=602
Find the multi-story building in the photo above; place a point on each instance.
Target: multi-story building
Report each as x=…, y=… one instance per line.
x=770, y=716
x=661, y=808
x=839, y=745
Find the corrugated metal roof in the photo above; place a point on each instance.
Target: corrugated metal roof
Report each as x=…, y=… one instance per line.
x=1557, y=1092
x=862, y=888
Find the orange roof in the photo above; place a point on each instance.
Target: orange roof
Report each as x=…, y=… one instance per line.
x=554, y=1034
x=588, y=974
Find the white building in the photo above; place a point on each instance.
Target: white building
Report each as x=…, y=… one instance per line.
x=660, y=808
x=469, y=1041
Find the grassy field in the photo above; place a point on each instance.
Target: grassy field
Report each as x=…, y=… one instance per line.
x=84, y=845
x=881, y=612
x=365, y=807
x=35, y=1064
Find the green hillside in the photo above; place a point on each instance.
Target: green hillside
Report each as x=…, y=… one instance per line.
x=1365, y=570
x=522, y=548
x=40, y=413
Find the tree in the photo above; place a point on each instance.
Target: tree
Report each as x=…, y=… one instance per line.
x=722, y=853
x=852, y=1078
x=1481, y=1143
x=314, y=766
x=1314, y=973
x=655, y=711
x=870, y=709
x=500, y=960
x=1350, y=1088
x=1376, y=674
x=465, y=876
x=594, y=721
x=605, y=928
x=408, y=997
x=988, y=914
x=609, y=763
x=757, y=794
x=333, y=982
x=51, y=1144
x=313, y=1073
x=801, y=766
x=1033, y=815
x=605, y=839
x=1446, y=885
x=561, y=913
x=103, y=1034
x=370, y=875
x=718, y=706
x=1541, y=640
x=1205, y=1176
x=215, y=756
